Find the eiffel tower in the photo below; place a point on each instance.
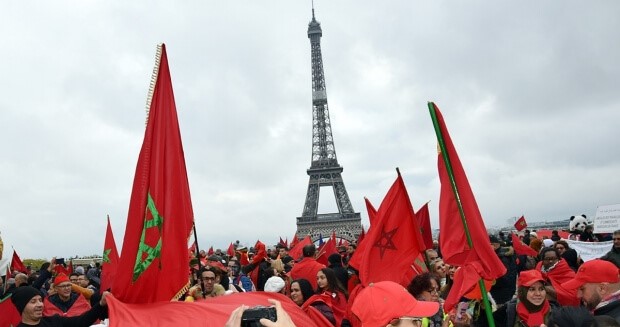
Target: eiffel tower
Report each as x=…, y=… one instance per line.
x=324, y=170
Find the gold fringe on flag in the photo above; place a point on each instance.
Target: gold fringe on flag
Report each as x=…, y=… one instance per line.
x=149, y=96
x=181, y=292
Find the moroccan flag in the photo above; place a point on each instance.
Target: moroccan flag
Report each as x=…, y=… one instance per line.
x=153, y=263
x=204, y=313
x=231, y=250
x=61, y=269
x=17, y=264
x=393, y=243
x=328, y=249
x=334, y=237
x=520, y=224
x=520, y=248
x=361, y=236
x=457, y=209
x=297, y=251
x=372, y=212
x=210, y=252
x=191, y=251
x=109, y=264
x=424, y=220
x=294, y=241
x=9, y=316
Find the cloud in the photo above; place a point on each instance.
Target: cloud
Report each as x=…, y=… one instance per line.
x=528, y=93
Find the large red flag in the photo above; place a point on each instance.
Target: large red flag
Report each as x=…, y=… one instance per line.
x=480, y=258
x=394, y=241
x=520, y=224
x=424, y=220
x=109, y=263
x=356, y=260
x=296, y=251
x=205, y=313
x=153, y=262
x=17, y=264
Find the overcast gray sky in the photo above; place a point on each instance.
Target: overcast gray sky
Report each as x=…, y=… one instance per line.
x=529, y=91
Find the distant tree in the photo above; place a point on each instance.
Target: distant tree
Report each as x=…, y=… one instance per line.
x=34, y=264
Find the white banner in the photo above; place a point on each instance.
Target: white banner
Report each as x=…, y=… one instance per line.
x=590, y=250
x=4, y=263
x=607, y=219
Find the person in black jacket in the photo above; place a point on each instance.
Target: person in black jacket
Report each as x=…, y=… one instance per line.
x=613, y=255
x=505, y=286
x=335, y=263
x=29, y=304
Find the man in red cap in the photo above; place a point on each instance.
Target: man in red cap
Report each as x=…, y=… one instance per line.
x=389, y=304
x=65, y=302
x=598, y=286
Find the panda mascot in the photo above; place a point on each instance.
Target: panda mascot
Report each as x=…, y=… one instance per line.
x=577, y=226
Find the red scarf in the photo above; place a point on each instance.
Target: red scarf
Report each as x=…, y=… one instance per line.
x=558, y=275
x=532, y=318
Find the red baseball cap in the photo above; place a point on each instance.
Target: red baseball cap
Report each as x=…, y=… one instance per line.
x=594, y=271
x=527, y=278
x=381, y=302
x=60, y=278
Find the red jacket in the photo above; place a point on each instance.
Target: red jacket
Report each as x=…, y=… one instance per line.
x=307, y=268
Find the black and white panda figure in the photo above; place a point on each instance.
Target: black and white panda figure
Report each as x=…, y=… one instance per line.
x=576, y=227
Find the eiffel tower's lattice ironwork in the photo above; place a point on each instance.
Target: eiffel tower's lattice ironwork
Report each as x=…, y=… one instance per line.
x=324, y=169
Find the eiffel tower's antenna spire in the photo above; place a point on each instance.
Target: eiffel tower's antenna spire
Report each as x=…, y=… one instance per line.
x=313, y=10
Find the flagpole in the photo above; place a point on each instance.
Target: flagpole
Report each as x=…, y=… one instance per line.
x=197, y=249
x=446, y=160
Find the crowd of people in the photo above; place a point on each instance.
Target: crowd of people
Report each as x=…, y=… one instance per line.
x=552, y=287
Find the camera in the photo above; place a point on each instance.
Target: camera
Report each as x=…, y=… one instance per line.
x=252, y=316
x=60, y=261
